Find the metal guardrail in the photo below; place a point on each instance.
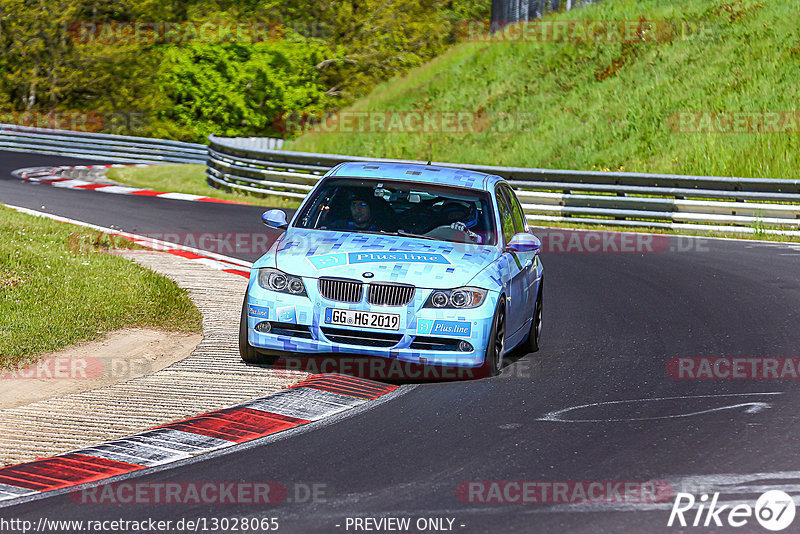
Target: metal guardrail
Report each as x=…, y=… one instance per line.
x=258, y=166
x=592, y=197
x=106, y=147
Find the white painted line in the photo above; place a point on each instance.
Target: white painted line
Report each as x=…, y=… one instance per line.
x=214, y=264
x=53, y=176
x=157, y=244
x=119, y=189
x=12, y=492
x=179, y=196
x=70, y=183
x=750, y=407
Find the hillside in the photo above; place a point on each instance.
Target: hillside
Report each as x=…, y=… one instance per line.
x=664, y=102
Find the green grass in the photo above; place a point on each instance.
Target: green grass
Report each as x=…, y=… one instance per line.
x=55, y=290
x=189, y=179
x=606, y=106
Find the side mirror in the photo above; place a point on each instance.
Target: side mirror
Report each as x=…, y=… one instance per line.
x=524, y=243
x=275, y=219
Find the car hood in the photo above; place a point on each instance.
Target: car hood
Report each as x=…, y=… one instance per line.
x=422, y=262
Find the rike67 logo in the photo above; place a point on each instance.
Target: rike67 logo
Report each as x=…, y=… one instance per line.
x=774, y=510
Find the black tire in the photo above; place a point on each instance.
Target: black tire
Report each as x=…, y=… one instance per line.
x=495, y=346
x=246, y=351
x=535, y=333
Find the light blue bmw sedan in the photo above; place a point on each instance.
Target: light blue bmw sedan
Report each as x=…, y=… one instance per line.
x=418, y=263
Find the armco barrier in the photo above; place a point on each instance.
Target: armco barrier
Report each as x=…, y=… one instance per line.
x=106, y=147
x=257, y=165
x=592, y=197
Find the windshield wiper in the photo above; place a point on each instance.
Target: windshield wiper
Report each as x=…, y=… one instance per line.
x=420, y=236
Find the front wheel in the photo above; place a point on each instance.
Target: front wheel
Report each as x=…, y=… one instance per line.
x=495, y=346
x=246, y=350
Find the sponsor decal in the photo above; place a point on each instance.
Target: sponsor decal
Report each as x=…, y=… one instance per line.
x=328, y=260
x=397, y=257
x=286, y=314
x=431, y=327
x=324, y=261
x=259, y=312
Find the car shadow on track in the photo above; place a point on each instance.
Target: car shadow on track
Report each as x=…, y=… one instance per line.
x=396, y=371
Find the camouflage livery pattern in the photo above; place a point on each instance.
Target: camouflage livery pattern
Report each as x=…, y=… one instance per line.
x=428, y=265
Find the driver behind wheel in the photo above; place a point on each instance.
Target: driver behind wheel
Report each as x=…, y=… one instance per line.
x=462, y=216
x=357, y=213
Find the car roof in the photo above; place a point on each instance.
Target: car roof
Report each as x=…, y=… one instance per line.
x=412, y=172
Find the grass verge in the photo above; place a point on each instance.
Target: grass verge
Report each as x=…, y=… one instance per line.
x=606, y=105
x=190, y=179
x=53, y=294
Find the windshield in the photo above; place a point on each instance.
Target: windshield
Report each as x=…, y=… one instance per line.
x=422, y=210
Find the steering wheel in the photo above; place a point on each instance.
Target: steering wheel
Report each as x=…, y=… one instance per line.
x=446, y=233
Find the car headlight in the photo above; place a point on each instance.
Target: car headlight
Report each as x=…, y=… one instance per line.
x=276, y=280
x=458, y=298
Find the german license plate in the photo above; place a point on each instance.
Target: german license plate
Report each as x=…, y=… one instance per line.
x=385, y=321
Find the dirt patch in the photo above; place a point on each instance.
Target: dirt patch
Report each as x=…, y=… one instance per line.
x=212, y=377
x=119, y=357
x=9, y=279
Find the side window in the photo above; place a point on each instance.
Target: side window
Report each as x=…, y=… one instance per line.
x=517, y=215
x=506, y=217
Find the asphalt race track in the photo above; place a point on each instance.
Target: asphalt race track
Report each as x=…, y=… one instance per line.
x=612, y=322
x=130, y=213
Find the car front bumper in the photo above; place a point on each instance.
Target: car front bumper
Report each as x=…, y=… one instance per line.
x=425, y=336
